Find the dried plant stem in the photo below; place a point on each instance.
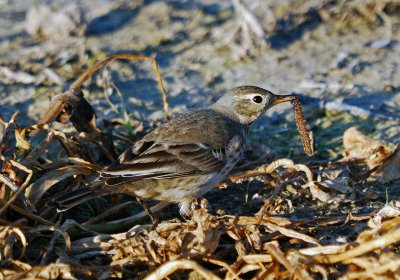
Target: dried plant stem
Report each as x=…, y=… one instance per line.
x=381, y=242
x=108, y=212
x=8, y=182
x=58, y=103
x=222, y=264
x=392, y=265
x=9, y=231
x=39, y=149
x=275, y=251
x=268, y=169
x=117, y=225
x=57, y=231
x=75, y=87
x=133, y=219
x=20, y=189
x=28, y=214
x=170, y=267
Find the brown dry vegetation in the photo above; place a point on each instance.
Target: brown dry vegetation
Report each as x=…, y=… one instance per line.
x=323, y=219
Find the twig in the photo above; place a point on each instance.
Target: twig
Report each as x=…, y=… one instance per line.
x=222, y=264
x=57, y=105
x=380, y=242
x=21, y=188
x=28, y=214
x=108, y=212
x=57, y=231
x=75, y=87
x=8, y=182
x=170, y=267
x=277, y=254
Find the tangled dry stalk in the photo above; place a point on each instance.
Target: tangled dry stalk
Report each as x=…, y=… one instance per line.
x=37, y=243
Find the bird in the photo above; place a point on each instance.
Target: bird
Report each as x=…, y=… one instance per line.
x=185, y=157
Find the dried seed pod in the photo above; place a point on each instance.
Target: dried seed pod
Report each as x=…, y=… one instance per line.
x=305, y=135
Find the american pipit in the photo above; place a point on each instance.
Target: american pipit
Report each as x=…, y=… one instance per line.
x=185, y=157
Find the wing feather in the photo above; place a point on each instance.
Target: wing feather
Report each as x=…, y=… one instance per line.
x=165, y=160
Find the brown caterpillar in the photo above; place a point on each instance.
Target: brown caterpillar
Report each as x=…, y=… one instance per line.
x=305, y=135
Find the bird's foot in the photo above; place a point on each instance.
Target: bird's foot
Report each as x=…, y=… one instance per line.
x=199, y=204
x=153, y=218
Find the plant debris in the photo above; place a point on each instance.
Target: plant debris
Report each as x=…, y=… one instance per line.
x=213, y=246
x=279, y=215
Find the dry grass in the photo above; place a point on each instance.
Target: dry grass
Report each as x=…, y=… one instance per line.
x=36, y=243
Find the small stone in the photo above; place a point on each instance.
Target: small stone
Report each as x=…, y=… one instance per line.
x=54, y=23
x=354, y=67
x=389, y=88
x=340, y=60
x=380, y=44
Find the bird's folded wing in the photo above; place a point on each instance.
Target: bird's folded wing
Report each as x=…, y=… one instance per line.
x=166, y=160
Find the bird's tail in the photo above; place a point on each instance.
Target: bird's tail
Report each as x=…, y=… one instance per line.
x=75, y=197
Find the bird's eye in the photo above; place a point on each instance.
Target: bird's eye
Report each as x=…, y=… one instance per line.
x=258, y=99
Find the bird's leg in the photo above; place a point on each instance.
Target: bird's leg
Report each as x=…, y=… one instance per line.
x=145, y=207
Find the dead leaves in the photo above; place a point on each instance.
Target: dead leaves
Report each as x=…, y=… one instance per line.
x=170, y=241
x=390, y=168
x=51, y=271
x=375, y=239
x=262, y=249
x=262, y=246
x=382, y=158
x=73, y=168
x=387, y=212
x=360, y=147
x=9, y=237
x=367, y=257
x=198, y=239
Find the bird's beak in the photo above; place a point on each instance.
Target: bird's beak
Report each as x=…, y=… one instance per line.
x=282, y=98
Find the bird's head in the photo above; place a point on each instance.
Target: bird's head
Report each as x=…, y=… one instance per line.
x=247, y=103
